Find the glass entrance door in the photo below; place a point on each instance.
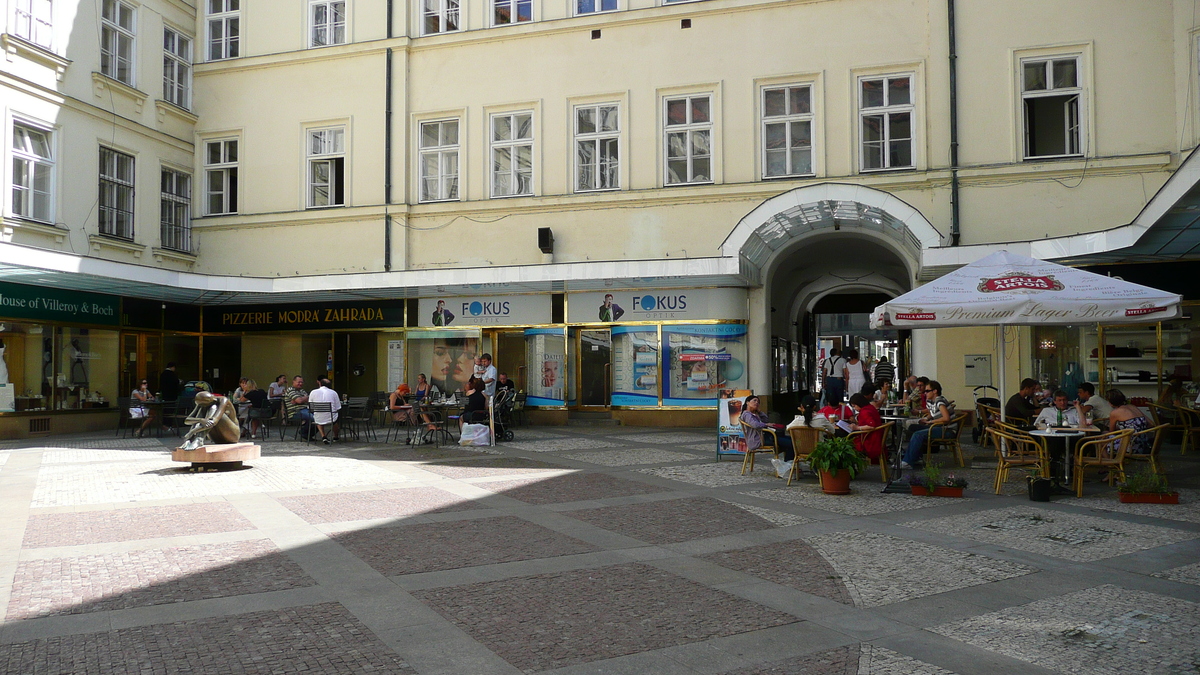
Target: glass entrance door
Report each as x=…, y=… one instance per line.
x=595, y=367
x=141, y=360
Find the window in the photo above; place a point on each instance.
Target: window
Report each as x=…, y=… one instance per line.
x=176, y=220
x=512, y=154
x=787, y=131
x=505, y=12
x=116, y=41
x=440, y=16
x=33, y=173
x=439, y=160
x=328, y=23
x=597, y=157
x=689, y=140
x=886, y=109
x=326, y=167
x=1050, y=93
x=34, y=21
x=177, y=68
x=593, y=6
x=116, y=194
x=224, y=29
x=221, y=176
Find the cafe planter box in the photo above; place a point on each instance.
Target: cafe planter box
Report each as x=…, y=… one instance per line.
x=1149, y=497
x=940, y=491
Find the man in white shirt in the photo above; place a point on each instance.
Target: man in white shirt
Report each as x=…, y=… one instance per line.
x=489, y=375
x=325, y=394
x=1093, y=403
x=1059, y=414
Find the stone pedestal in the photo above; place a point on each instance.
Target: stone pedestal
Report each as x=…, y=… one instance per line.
x=220, y=457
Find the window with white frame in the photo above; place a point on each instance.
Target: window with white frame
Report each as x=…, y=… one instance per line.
x=33, y=173
x=597, y=153
x=328, y=21
x=176, y=213
x=224, y=29
x=505, y=12
x=688, y=143
x=326, y=167
x=177, y=68
x=116, y=40
x=439, y=160
x=440, y=16
x=512, y=154
x=787, y=120
x=221, y=176
x=885, y=109
x=116, y=194
x=594, y=6
x=1050, y=93
x=33, y=20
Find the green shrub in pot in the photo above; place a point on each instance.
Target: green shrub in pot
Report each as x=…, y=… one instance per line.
x=834, y=454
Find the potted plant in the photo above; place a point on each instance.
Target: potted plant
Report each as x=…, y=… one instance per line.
x=1146, y=487
x=836, y=461
x=933, y=484
x=1039, y=487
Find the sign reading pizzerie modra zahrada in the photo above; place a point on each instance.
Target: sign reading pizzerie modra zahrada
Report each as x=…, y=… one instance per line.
x=364, y=314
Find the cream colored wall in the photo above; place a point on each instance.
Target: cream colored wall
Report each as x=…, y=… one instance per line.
x=953, y=344
x=102, y=372
x=264, y=357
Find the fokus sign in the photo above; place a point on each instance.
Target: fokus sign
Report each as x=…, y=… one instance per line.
x=497, y=310
x=682, y=304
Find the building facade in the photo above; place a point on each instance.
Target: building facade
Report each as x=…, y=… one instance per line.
x=280, y=187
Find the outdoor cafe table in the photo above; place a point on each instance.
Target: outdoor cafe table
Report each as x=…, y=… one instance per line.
x=1060, y=454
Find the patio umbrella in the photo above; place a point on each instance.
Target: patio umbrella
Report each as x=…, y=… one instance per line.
x=1006, y=289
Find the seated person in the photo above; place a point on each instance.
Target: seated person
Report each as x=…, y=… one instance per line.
x=476, y=402
x=253, y=397
x=1125, y=415
x=810, y=418
x=1091, y=402
x=881, y=396
x=1061, y=414
x=841, y=412
x=938, y=410
x=755, y=421
x=502, y=382
x=869, y=418
x=1020, y=406
x=424, y=389
x=396, y=402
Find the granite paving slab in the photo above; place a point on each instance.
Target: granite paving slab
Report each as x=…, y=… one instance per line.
x=322, y=638
x=427, y=453
x=526, y=434
x=563, y=443
x=65, y=485
x=630, y=457
x=981, y=480
x=839, y=661
x=429, y=547
x=672, y=438
x=95, y=527
x=779, y=518
x=492, y=466
x=571, y=487
x=90, y=443
x=865, y=500
x=562, y=619
x=370, y=504
x=795, y=564
x=674, y=520
x=1106, y=630
x=1188, y=574
x=716, y=474
x=880, y=569
x=1188, y=508
x=1059, y=534
x=97, y=583
x=93, y=456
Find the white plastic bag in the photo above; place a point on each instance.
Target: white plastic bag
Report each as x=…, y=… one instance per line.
x=782, y=468
x=475, y=434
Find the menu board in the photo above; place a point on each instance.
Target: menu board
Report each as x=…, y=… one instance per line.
x=730, y=439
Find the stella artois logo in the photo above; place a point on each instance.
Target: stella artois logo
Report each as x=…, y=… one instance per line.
x=1015, y=281
x=1144, y=309
x=916, y=315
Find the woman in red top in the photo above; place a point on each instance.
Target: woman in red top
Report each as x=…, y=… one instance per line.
x=868, y=418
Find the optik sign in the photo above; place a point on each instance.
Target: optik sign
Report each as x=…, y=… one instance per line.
x=660, y=306
x=484, y=312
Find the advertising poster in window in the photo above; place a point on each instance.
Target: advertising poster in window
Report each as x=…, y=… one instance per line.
x=730, y=439
x=701, y=359
x=635, y=366
x=495, y=310
x=796, y=367
x=395, y=364
x=545, y=352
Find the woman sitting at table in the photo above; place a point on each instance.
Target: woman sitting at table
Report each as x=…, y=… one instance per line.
x=868, y=418
x=881, y=395
x=938, y=410
x=476, y=401
x=403, y=412
x=252, y=397
x=755, y=422
x=1125, y=415
x=137, y=406
x=809, y=417
x=424, y=389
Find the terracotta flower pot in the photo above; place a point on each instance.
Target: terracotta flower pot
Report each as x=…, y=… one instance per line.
x=835, y=484
x=1149, y=497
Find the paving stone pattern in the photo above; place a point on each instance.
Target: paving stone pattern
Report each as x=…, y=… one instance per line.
x=111, y=581
x=865, y=500
x=673, y=438
x=371, y=504
x=425, y=453
x=778, y=518
x=840, y=661
x=566, y=443
x=1055, y=533
x=94, y=527
x=879, y=569
x=633, y=457
x=1188, y=574
x=573, y=487
x=429, y=547
x=1105, y=630
x=674, y=520
x=492, y=466
x=1188, y=508
x=794, y=564
x=556, y=620
x=322, y=638
x=718, y=474
x=873, y=660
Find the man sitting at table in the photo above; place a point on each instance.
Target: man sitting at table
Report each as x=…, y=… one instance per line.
x=1020, y=406
x=1061, y=414
x=1091, y=402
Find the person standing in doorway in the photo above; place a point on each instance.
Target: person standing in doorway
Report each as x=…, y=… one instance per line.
x=884, y=371
x=854, y=375
x=832, y=371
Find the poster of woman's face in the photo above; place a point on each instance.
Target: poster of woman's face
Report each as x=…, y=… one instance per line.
x=464, y=363
x=550, y=374
x=453, y=363
x=439, y=369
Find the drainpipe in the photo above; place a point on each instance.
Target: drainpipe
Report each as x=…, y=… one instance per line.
x=387, y=152
x=955, y=233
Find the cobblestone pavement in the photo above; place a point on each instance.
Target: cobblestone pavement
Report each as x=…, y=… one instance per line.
x=572, y=551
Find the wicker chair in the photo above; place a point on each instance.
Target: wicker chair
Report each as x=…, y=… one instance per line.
x=1106, y=451
x=886, y=430
x=1016, y=450
x=1151, y=458
x=1189, y=422
x=950, y=440
x=804, y=441
x=771, y=446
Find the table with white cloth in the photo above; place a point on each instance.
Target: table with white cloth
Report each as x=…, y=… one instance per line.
x=1060, y=448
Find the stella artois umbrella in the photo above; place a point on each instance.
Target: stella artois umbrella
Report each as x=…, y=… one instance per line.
x=1006, y=289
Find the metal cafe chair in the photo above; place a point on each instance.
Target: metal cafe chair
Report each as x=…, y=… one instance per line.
x=1016, y=450
x=948, y=440
x=886, y=430
x=771, y=446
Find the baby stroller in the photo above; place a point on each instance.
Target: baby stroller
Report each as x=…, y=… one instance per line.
x=502, y=415
x=982, y=400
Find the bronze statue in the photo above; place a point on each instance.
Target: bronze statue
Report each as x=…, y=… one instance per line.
x=213, y=420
